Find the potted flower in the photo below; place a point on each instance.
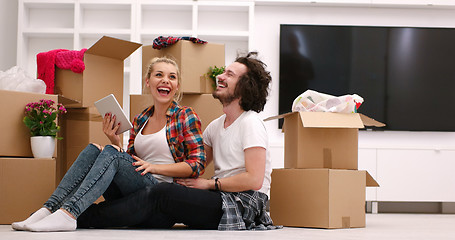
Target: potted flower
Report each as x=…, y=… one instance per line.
x=40, y=118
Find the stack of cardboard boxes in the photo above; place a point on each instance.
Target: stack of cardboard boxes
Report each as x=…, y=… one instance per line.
x=25, y=182
x=194, y=61
x=320, y=186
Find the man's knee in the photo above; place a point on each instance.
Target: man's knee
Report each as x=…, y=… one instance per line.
x=161, y=190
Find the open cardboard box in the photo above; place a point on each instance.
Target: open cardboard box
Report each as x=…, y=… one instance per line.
x=194, y=60
x=205, y=106
x=322, y=139
x=25, y=184
x=319, y=198
x=15, y=135
x=102, y=76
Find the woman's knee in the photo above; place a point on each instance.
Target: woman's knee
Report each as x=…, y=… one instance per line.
x=113, y=145
x=98, y=146
x=117, y=147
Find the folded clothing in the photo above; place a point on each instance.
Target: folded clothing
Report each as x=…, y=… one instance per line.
x=163, y=42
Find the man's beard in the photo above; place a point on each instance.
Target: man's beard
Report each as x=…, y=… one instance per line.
x=225, y=100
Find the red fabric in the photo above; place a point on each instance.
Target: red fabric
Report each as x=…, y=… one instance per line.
x=62, y=58
x=45, y=62
x=71, y=60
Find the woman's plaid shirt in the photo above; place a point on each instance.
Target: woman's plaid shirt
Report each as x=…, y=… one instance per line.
x=183, y=134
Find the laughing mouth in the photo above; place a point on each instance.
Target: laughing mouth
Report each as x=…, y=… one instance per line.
x=164, y=90
x=221, y=84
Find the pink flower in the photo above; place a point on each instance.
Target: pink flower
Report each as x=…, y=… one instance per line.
x=40, y=113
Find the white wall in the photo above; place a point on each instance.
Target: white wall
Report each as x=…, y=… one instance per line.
x=8, y=34
x=266, y=42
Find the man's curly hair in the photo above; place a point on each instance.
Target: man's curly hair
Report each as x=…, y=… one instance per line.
x=253, y=86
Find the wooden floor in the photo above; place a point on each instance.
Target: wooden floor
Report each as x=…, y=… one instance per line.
x=379, y=227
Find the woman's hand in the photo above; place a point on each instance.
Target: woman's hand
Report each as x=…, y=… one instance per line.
x=109, y=129
x=200, y=183
x=143, y=165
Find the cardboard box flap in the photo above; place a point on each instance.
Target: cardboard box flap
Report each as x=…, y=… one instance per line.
x=67, y=101
x=326, y=119
x=278, y=116
x=113, y=48
x=367, y=121
x=330, y=120
x=370, y=182
x=84, y=114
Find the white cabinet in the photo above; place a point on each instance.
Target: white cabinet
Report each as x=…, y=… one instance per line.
x=410, y=175
x=410, y=166
x=45, y=25
x=416, y=175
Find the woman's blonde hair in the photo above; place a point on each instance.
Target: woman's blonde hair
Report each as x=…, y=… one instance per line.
x=168, y=60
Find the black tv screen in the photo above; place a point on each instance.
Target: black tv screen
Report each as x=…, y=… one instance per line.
x=406, y=75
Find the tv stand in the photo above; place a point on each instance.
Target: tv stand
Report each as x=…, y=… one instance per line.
x=409, y=166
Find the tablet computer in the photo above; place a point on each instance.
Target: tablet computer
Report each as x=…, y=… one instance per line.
x=109, y=104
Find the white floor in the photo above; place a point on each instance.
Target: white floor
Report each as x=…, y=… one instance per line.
x=379, y=227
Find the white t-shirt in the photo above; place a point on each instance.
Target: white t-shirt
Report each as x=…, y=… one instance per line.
x=154, y=149
x=228, y=145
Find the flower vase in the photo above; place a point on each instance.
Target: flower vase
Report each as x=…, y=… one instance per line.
x=42, y=146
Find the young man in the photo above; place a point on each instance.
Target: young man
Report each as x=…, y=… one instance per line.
x=235, y=198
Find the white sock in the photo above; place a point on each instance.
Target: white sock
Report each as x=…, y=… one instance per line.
x=57, y=221
x=35, y=217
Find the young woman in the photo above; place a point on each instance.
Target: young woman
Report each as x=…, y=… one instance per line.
x=165, y=142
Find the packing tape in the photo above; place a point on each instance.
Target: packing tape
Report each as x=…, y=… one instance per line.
x=327, y=157
x=346, y=222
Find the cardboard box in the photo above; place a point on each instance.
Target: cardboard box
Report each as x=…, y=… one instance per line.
x=194, y=61
x=102, y=76
x=319, y=198
x=322, y=139
x=80, y=126
x=25, y=184
x=206, y=107
x=15, y=135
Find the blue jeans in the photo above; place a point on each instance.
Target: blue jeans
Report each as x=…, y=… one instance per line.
x=92, y=173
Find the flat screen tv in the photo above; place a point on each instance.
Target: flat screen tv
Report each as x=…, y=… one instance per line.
x=406, y=75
